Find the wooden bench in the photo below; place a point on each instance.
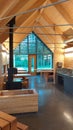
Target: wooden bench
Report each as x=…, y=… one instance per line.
x=4, y=125
x=10, y=119
x=3, y=80
x=21, y=126
x=25, y=83
x=9, y=122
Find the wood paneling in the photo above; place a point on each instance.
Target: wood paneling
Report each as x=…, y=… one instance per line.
x=68, y=62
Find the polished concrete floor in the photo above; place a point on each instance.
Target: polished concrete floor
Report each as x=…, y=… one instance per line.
x=55, y=108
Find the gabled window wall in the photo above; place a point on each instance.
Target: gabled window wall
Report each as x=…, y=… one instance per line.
x=33, y=45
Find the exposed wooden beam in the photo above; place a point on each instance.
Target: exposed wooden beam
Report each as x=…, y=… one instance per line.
x=49, y=21
x=28, y=22
x=63, y=12
x=51, y=29
x=44, y=31
x=48, y=44
x=6, y=6
x=5, y=9
x=21, y=19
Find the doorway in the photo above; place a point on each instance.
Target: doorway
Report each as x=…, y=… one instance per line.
x=32, y=64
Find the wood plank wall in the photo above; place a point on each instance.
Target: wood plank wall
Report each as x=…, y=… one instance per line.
x=3, y=61
x=68, y=62
x=58, y=57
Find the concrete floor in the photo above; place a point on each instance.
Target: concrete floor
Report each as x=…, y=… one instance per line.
x=55, y=108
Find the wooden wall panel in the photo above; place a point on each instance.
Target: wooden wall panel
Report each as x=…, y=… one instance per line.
x=68, y=62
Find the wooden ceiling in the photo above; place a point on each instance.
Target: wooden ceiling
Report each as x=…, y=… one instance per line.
x=59, y=14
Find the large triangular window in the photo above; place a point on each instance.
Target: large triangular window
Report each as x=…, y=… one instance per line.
x=32, y=44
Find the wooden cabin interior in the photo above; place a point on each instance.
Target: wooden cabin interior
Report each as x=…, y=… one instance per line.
x=36, y=40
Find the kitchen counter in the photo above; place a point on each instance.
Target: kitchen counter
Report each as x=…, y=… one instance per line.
x=66, y=81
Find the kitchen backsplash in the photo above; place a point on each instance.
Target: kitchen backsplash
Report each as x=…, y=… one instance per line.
x=65, y=71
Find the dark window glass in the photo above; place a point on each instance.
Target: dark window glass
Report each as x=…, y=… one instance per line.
x=39, y=47
x=46, y=50
x=23, y=48
x=44, y=61
x=33, y=45
x=21, y=61
x=16, y=51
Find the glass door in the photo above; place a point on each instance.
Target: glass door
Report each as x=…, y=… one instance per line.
x=32, y=64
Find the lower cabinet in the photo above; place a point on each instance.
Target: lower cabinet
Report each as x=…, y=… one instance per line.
x=64, y=82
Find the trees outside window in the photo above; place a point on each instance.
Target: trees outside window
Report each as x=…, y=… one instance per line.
x=32, y=44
